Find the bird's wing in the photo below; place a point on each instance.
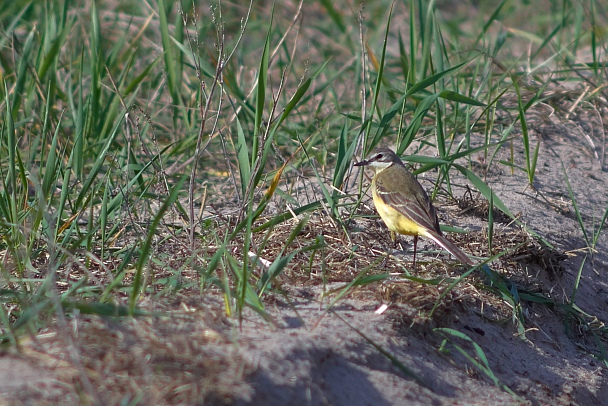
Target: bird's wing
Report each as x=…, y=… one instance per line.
x=416, y=207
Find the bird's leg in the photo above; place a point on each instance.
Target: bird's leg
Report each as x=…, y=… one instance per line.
x=394, y=240
x=415, y=244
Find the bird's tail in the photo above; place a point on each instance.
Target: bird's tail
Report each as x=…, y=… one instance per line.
x=449, y=246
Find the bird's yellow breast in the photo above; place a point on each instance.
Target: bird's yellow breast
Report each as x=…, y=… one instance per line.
x=394, y=220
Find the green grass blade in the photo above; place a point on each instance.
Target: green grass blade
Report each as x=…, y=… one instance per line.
x=600, y=227
x=137, y=287
x=261, y=95
x=344, y=159
x=22, y=76
x=579, y=217
x=491, y=20
x=380, y=74
x=97, y=165
x=490, y=222
x=335, y=16
x=243, y=157
x=460, y=98
x=169, y=57
x=484, y=189
x=483, y=364
x=421, y=112
x=404, y=368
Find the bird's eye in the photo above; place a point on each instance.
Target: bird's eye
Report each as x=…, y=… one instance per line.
x=379, y=156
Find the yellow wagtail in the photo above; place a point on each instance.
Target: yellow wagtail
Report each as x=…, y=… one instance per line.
x=403, y=204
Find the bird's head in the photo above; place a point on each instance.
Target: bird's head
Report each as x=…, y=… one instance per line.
x=380, y=159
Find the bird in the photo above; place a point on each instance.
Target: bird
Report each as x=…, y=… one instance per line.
x=403, y=204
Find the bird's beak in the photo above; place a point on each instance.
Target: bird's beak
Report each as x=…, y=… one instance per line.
x=362, y=163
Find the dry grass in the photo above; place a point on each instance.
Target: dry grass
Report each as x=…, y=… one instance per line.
x=526, y=263
x=184, y=355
